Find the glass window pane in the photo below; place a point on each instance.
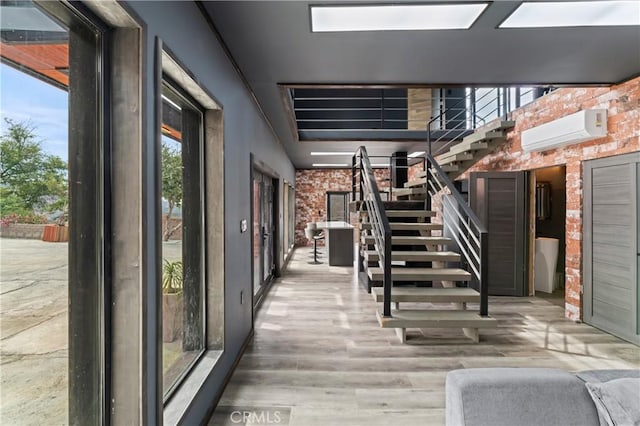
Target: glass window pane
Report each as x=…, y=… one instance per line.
x=182, y=237
x=34, y=222
x=487, y=105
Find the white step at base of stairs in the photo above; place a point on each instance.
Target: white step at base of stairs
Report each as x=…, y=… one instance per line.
x=415, y=256
x=428, y=295
x=409, y=241
x=421, y=274
x=400, y=226
x=469, y=321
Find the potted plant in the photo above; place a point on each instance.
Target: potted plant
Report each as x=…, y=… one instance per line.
x=172, y=278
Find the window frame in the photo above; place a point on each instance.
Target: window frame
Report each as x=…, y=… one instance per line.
x=90, y=243
x=168, y=64
x=196, y=220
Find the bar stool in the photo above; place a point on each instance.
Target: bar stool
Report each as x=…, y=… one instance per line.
x=311, y=231
x=315, y=234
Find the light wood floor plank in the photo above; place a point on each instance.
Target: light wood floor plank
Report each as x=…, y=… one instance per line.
x=319, y=357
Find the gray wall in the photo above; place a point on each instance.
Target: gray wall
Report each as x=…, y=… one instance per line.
x=184, y=30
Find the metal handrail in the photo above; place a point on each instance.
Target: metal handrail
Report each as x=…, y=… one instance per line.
x=469, y=232
x=381, y=230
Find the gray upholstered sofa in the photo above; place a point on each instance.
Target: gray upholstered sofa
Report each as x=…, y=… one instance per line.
x=534, y=396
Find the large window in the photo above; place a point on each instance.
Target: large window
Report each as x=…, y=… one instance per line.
x=183, y=319
x=192, y=133
x=52, y=244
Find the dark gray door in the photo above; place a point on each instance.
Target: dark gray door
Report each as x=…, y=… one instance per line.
x=499, y=200
x=610, y=245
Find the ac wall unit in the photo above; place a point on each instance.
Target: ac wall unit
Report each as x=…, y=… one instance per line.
x=579, y=127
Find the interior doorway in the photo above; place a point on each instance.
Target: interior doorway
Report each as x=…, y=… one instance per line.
x=265, y=231
x=547, y=220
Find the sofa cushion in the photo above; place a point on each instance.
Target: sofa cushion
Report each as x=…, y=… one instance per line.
x=601, y=376
x=517, y=397
x=617, y=401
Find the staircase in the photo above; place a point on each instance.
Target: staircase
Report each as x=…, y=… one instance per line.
x=406, y=260
x=460, y=157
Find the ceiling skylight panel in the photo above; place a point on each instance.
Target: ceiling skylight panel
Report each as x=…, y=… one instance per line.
x=399, y=17
x=574, y=14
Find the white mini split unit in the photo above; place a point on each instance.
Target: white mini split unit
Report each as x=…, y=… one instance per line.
x=579, y=127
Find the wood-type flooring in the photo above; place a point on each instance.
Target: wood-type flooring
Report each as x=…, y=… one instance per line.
x=319, y=357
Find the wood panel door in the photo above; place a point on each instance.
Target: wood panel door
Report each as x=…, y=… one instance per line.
x=499, y=200
x=610, y=245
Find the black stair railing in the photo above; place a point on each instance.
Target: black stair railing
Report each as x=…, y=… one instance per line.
x=466, y=228
x=362, y=177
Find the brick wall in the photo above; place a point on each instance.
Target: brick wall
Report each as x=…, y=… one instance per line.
x=311, y=198
x=414, y=171
x=623, y=125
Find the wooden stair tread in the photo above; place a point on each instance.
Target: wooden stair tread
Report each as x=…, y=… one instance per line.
x=402, y=226
x=498, y=124
x=451, y=157
x=421, y=274
x=483, y=135
x=410, y=318
x=410, y=213
x=467, y=147
x=428, y=294
x=416, y=256
x=416, y=182
x=409, y=191
x=409, y=240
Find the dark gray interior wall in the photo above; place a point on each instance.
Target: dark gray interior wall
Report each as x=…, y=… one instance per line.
x=186, y=33
x=553, y=227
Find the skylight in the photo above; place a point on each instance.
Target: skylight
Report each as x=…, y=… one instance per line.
x=574, y=14
x=399, y=17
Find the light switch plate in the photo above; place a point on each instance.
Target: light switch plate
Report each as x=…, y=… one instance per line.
x=243, y=225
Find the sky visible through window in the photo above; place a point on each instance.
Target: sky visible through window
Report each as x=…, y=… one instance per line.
x=24, y=98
